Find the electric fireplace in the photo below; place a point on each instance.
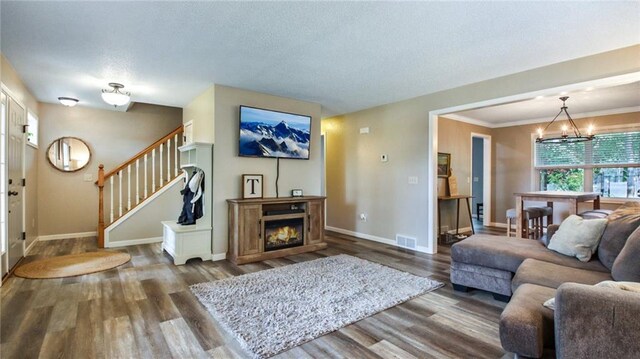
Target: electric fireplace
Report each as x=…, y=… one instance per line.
x=283, y=233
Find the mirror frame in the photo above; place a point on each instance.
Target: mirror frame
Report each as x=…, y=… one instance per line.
x=46, y=154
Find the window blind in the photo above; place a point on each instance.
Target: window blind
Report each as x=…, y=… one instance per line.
x=606, y=150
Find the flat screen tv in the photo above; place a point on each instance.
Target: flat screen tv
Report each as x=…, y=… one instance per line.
x=275, y=134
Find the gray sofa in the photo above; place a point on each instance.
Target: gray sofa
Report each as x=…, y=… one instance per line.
x=588, y=321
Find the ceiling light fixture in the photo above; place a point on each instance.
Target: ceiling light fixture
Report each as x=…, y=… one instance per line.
x=68, y=101
x=115, y=97
x=565, y=138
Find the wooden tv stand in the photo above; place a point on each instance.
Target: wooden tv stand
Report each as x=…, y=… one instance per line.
x=250, y=220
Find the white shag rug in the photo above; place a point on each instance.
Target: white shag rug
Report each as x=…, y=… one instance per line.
x=277, y=309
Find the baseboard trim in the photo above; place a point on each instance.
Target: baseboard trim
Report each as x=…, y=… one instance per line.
x=499, y=225
x=133, y=242
x=53, y=237
x=460, y=230
x=30, y=247
x=218, y=257
x=373, y=238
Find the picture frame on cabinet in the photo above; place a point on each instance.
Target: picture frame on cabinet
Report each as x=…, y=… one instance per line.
x=252, y=186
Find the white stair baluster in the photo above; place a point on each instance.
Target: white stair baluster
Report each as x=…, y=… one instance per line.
x=161, y=182
x=119, y=194
x=146, y=183
x=128, y=188
x=168, y=160
x=111, y=206
x=137, y=181
x=153, y=170
x=175, y=142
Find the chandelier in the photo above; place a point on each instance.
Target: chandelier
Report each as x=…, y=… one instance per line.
x=565, y=137
x=114, y=97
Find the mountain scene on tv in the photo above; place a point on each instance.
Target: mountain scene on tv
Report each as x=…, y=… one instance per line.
x=266, y=133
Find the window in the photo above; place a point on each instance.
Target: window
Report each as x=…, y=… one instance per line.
x=610, y=165
x=32, y=129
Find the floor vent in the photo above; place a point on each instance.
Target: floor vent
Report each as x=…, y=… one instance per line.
x=405, y=242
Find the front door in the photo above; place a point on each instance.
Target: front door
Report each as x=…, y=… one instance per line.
x=15, y=190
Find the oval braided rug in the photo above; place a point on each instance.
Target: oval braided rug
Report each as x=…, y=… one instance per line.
x=72, y=265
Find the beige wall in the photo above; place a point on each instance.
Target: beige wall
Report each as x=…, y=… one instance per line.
x=228, y=167
x=513, y=161
x=10, y=78
x=66, y=202
x=454, y=137
x=201, y=112
x=145, y=223
x=397, y=207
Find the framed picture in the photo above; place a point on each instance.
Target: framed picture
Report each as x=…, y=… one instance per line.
x=252, y=186
x=444, y=164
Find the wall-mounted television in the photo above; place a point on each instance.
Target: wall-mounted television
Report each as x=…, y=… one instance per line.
x=274, y=134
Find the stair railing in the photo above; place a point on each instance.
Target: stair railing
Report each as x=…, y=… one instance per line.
x=160, y=159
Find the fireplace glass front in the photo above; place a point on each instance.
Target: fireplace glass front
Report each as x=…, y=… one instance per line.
x=283, y=233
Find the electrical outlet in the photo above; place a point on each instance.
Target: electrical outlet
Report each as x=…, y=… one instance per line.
x=363, y=217
x=413, y=180
x=364, y=130
x=88, y=177
x=384, y=158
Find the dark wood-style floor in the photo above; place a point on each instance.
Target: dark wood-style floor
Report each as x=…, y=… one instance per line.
x=144, y=309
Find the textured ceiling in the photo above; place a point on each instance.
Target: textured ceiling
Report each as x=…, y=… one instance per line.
x=346, y=56
x=588, y=101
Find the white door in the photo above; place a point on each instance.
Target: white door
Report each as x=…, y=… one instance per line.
x=15, y=191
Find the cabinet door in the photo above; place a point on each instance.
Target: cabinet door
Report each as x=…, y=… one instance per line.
x=315, y=221
x=250, y=236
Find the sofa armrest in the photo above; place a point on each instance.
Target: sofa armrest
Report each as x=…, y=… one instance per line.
x=596, y=322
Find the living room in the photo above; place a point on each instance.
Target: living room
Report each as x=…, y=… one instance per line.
x=382, y=103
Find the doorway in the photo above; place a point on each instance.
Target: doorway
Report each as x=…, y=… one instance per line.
x=481, y=178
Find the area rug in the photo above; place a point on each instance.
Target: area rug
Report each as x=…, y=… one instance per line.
x=72, y=265
x=277, y=309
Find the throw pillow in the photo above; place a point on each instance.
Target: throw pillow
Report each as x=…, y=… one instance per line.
x=627, y=286
x=627, y=264
x=622, y=222
x=578, y=237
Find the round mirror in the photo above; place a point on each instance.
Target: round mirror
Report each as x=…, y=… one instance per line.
x=68, y=154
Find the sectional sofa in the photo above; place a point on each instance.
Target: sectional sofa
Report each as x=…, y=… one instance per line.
x=588, y=321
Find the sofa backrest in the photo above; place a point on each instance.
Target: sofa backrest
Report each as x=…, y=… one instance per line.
x=627, y=266
x=622, y=222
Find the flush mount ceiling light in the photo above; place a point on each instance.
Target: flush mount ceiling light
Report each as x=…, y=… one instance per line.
x=114, y=96
x=565, y=137
x=68, y=101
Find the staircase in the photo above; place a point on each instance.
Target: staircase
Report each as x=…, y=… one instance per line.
x=134, y=182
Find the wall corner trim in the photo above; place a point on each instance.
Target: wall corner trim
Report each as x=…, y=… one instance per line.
x=52, y=237
x=373, y=238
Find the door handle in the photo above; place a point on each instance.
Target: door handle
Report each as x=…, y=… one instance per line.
x=13, y=193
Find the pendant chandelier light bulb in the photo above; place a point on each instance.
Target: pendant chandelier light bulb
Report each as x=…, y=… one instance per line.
x=115, y=97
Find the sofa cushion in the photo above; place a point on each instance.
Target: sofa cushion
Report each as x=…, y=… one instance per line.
x=622, y=222
x=578, y=237
x=507, y=253
x=552, y=275
x=480, y=277
x=626, y=267
x=526, y=327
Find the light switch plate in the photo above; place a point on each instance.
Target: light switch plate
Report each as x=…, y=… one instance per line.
x=364, y=130
x=413, y=180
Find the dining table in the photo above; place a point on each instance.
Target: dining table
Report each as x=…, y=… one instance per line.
x=570, y=197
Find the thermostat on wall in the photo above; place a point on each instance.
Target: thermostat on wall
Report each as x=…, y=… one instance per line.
x=296, y=193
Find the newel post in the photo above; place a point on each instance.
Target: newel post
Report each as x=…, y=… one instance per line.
x=101, y=206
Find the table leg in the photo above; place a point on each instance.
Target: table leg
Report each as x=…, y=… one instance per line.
x=550, y=217
x=573, y=206
x=519, y=217
x=470, y=217
x=457, y=215
x=596, y=203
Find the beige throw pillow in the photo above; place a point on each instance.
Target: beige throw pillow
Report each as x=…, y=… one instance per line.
x=578, y=237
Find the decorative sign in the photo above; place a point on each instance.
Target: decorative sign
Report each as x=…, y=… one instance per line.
x=252, y=186
x=453, y=186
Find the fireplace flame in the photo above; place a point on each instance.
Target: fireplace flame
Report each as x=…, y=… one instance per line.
x=283, y=234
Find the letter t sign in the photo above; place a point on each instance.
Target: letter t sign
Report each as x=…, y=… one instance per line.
x=252, y=186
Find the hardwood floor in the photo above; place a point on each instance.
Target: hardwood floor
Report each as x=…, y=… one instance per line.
x=144, y=309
